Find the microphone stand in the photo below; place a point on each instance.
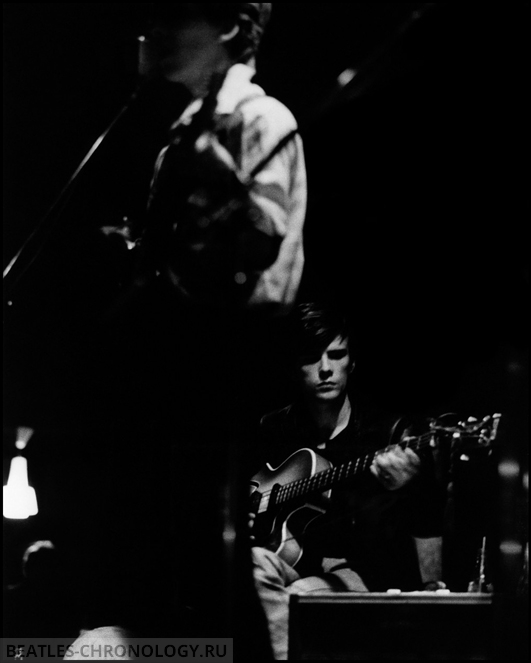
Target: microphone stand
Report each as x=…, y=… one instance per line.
x=353, y=82
x=34, y=244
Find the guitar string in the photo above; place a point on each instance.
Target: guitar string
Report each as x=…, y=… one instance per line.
x=291, y=490
x=282, y=494
x=419, y=441
x=315, y=527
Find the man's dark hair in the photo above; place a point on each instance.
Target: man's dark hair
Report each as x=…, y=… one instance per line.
x=251, y=18
x=316, y=325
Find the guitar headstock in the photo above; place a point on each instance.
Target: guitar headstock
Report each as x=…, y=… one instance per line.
x=468, y=433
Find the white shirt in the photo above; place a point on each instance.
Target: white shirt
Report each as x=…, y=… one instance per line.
x=279, y=189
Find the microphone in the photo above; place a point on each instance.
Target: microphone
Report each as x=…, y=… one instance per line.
x=148, y=58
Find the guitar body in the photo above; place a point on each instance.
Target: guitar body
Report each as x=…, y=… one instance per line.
x=281, y=530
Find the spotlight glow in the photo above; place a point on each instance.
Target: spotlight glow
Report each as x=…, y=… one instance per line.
x=509, y=469
x=511, y=548
x=346, y=76
x=23, y=437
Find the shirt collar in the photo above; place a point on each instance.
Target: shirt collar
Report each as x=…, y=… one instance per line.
x=236, y=87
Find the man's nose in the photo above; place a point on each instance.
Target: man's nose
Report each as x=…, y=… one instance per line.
x=325, y=366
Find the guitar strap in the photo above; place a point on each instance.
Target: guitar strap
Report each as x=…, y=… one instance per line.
x=276, y=150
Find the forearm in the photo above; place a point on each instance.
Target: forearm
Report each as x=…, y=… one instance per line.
x=429, y=553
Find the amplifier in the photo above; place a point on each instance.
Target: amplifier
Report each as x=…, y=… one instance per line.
x=395, y=626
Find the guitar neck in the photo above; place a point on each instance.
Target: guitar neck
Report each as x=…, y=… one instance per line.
x=473, y=434
x=327, y=479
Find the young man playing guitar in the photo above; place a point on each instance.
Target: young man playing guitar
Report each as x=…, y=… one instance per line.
x=381, y=532
x=228, y=197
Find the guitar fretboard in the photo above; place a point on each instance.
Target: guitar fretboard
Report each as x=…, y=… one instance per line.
x=480, y=433
x=326, y=479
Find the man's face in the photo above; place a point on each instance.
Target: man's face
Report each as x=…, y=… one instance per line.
x=177, y=52
x=324, y=377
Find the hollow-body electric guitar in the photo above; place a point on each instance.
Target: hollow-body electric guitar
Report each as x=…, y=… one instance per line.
x=286, y=499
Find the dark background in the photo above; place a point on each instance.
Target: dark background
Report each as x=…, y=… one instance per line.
x=416, y=222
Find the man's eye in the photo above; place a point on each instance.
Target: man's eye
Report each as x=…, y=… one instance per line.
x=337, y=354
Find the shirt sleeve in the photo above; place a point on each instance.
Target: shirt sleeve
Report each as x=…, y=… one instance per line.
x=279, y=190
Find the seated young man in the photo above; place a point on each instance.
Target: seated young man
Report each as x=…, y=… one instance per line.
x=381, y=530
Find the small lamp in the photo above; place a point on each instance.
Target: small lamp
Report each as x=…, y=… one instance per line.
x=20, y=500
